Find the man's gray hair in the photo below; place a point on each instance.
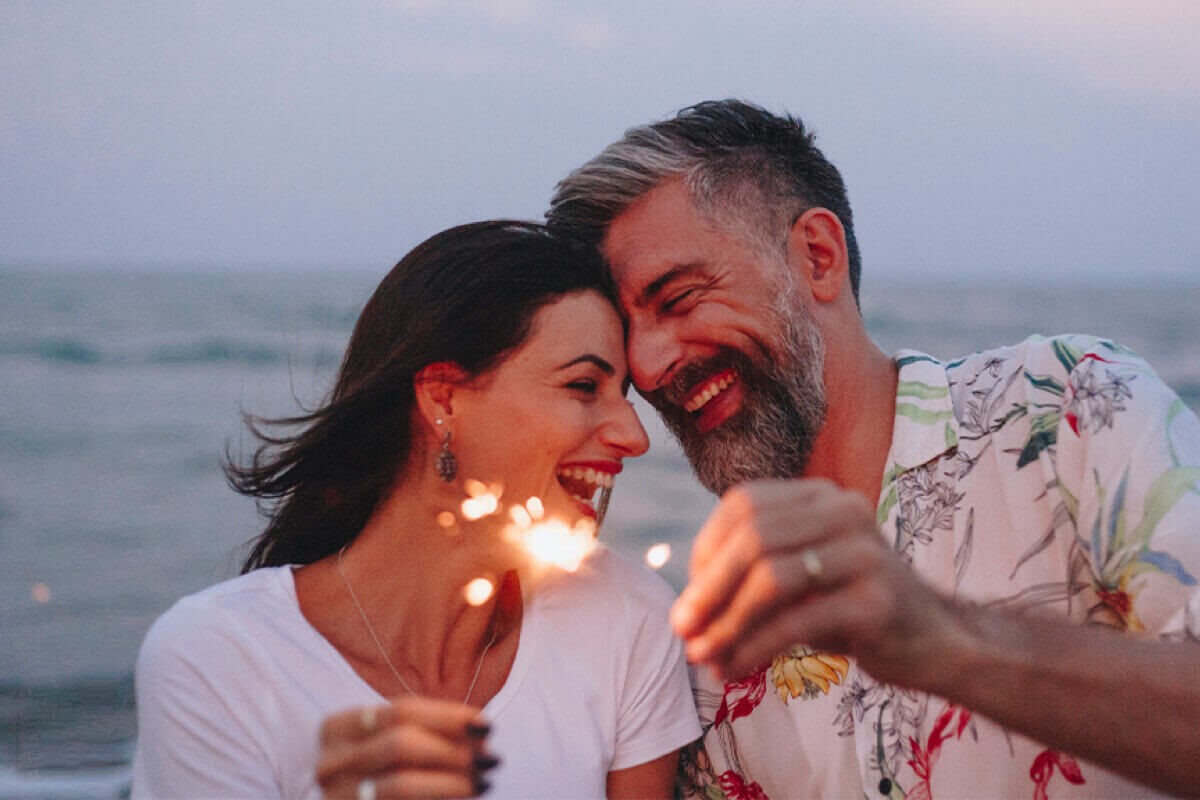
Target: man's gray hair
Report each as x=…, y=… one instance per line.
x=748, y=171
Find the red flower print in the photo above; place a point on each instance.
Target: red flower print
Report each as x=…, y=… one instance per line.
x=924, y=757
x=745, y=695
x=735, y=787
x=1073, y=421
x=1043, y=770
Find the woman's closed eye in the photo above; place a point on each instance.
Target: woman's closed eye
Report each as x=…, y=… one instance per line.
x=587, y=386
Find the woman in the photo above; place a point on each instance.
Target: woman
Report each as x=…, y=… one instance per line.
x=491, y=352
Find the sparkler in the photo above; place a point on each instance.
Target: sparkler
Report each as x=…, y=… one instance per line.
x=478, y=591
x=549, y=542
x=658, y=555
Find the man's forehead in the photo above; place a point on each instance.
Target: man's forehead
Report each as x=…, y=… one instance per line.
x=655, y=237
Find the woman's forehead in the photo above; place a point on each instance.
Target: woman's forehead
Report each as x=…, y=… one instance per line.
x=579, y=322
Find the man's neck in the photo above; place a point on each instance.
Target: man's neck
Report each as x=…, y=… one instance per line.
x=860, y=392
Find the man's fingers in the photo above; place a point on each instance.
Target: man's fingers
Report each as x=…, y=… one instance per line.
x=717, y=527
x=830, y=622
x=773, y=582
x=710, y=588
x=750, y=521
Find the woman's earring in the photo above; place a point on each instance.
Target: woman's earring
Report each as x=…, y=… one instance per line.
x=447, y=464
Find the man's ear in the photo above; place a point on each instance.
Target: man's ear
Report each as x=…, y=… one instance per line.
x=817, y=252
x=435, y=386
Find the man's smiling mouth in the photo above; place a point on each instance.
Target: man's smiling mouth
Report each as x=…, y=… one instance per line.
x=709, y=389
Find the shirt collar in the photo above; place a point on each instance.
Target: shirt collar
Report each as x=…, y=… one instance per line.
x=925, y=426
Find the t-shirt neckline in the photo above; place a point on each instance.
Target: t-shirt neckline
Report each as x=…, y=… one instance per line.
x=526, y=644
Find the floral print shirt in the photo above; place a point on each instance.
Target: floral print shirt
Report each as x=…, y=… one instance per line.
x=1058, y=477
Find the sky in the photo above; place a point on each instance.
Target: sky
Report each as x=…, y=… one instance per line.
x=1017, y=140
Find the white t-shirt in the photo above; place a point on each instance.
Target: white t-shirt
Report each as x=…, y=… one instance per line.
x=233, y=683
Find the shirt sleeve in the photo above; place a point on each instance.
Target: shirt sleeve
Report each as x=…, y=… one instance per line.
x=657, y=713
x=202, y=713
x=1130, y=451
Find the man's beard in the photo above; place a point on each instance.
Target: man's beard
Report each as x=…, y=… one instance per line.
x=782, y=410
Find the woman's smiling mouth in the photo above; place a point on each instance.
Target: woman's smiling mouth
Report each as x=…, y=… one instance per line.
x=582, y=479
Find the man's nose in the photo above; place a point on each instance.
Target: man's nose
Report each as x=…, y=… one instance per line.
x=654, y=353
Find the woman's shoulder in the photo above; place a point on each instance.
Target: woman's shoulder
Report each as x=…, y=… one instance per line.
x=210, y=620
x=606, y=574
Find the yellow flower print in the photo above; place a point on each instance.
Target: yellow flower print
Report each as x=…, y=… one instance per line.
x=801, y=672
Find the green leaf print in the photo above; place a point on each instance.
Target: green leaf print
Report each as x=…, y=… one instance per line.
x=922, y=391
x=922, y=416
x=1047, y=383
x=1163, y=495
x=1068, y=354
x=1043, y=434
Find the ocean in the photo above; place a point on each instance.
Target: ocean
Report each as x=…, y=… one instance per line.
x=121, y=392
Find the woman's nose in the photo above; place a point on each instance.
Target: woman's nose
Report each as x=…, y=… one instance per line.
x=625, y=432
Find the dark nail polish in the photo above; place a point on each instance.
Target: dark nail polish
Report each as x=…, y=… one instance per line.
x=478, y=729
x=481, y=786
x=485, y=762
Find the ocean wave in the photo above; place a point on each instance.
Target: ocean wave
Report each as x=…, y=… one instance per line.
x=218, y=351
x=85, y=722
x=62, y=350
x=204, y=350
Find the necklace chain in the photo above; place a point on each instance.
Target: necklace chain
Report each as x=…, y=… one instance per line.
x=383, y=652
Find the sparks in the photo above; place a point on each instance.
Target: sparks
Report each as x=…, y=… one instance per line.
x=658, y=555
x=550, y=542
x=480, y=506
x=478, y=591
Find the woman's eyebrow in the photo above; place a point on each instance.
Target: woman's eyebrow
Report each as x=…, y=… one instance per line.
x=590, y=358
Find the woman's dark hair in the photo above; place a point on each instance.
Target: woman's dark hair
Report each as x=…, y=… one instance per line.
x=467, y=295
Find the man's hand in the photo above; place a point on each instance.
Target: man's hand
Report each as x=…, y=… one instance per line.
x=780, y=563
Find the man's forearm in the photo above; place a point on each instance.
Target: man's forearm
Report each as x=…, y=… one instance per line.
x=1130, y=705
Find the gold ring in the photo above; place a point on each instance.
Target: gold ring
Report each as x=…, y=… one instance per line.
x=813, y=567
x=368, y=718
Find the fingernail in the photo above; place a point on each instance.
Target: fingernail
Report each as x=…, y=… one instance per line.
x=482, y=785
x=485, y=762
x=478, y=729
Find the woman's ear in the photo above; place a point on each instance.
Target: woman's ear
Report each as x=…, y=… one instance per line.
x=435, y=386
x=817, y=251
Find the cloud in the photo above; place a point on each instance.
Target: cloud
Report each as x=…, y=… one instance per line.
x=1140, y=49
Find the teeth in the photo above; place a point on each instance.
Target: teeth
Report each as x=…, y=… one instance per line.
x=710, y=390
x=589, y=475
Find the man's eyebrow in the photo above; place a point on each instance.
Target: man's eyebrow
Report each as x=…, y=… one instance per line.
x=655, y=286
x=591, y=358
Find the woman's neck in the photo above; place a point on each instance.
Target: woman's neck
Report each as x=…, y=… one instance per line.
x=399, y=588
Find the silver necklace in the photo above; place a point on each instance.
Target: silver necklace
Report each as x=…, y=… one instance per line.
x=382, y=652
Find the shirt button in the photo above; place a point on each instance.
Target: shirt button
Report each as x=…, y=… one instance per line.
x=885, y=787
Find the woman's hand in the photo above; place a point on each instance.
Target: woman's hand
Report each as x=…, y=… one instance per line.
x=413, y=747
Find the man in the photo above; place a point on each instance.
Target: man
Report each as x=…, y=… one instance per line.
x=990, y=562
